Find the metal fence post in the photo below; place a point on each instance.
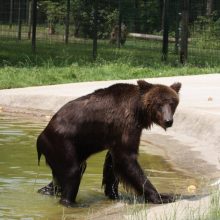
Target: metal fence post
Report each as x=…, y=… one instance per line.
x=34, y=24
x=67, y=21
x=19, y=20
x=95, y=29
x=184, y=32
x=119, y=24
x=11, y=14
x=165, y=26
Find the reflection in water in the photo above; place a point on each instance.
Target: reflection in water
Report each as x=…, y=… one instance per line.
x=20, y=177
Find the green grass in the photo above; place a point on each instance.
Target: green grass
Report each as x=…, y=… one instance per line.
x=199, y=211
x=57, y=63
x=209, y=211
x=214, y=207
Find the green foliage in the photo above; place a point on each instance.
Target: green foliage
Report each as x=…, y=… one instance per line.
x=214, y=212
x=139, y=16
x=151, y=17
x=55, y=11
x=82, y=17
x=206, y=32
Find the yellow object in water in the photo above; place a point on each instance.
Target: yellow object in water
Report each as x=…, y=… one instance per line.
x=191, y=189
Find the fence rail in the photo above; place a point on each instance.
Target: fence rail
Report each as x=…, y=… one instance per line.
x=188, y=26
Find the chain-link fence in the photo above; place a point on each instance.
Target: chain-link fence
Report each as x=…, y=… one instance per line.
x=132, y=24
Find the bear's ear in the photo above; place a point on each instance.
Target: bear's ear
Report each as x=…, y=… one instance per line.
x=144, y=86
x=176, y=86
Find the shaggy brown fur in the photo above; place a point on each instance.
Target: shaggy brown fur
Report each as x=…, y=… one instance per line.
x=113, y=119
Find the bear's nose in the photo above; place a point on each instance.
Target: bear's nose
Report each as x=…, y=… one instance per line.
x=168, y=123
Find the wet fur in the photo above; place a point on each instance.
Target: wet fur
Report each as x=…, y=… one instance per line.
x=113, y=119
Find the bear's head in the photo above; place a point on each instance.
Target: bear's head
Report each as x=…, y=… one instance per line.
x=158, y=103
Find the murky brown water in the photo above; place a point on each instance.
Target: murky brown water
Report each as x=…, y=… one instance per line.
x=20, y=177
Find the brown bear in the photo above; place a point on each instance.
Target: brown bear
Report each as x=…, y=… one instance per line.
x=112, y=118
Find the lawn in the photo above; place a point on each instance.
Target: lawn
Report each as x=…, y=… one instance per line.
x=56, y=62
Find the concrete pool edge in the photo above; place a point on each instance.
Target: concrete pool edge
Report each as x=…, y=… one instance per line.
x=198, y=114
x=197, y=120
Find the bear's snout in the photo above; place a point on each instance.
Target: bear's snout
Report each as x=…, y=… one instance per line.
x=167, y=116
x=168, y=123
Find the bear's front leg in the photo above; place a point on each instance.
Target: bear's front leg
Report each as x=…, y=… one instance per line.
x=127, y=167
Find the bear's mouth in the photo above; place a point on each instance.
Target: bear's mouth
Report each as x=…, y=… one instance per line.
x=166, y=124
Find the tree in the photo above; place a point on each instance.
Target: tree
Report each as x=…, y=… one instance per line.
x=11, y=13
x=184, y=32
x=55, y=12
x=119, y=24
x=34, y=25
x=95, y=28
x=137, y=20
x=29, y=18
x=209, y=7
x=165, y=27
x=67, y=21
x=19, y=19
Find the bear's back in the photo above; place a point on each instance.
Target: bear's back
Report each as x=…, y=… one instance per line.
x=101, y=110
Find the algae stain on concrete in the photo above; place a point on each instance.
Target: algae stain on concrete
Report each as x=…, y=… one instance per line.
x=20, y=177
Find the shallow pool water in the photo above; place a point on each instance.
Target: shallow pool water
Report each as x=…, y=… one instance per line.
x=20, y=176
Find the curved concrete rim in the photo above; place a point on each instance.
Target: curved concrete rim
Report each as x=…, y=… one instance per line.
x=196, y=125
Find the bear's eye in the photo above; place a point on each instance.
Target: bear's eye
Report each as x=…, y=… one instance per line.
x=159, y=105
x=172, y=105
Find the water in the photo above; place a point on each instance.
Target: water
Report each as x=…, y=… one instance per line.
x=20, y=177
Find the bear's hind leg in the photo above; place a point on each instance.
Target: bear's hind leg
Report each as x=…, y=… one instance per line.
x=70, y=184
x=47, y=190
x=110, y=181
x=52, y=189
